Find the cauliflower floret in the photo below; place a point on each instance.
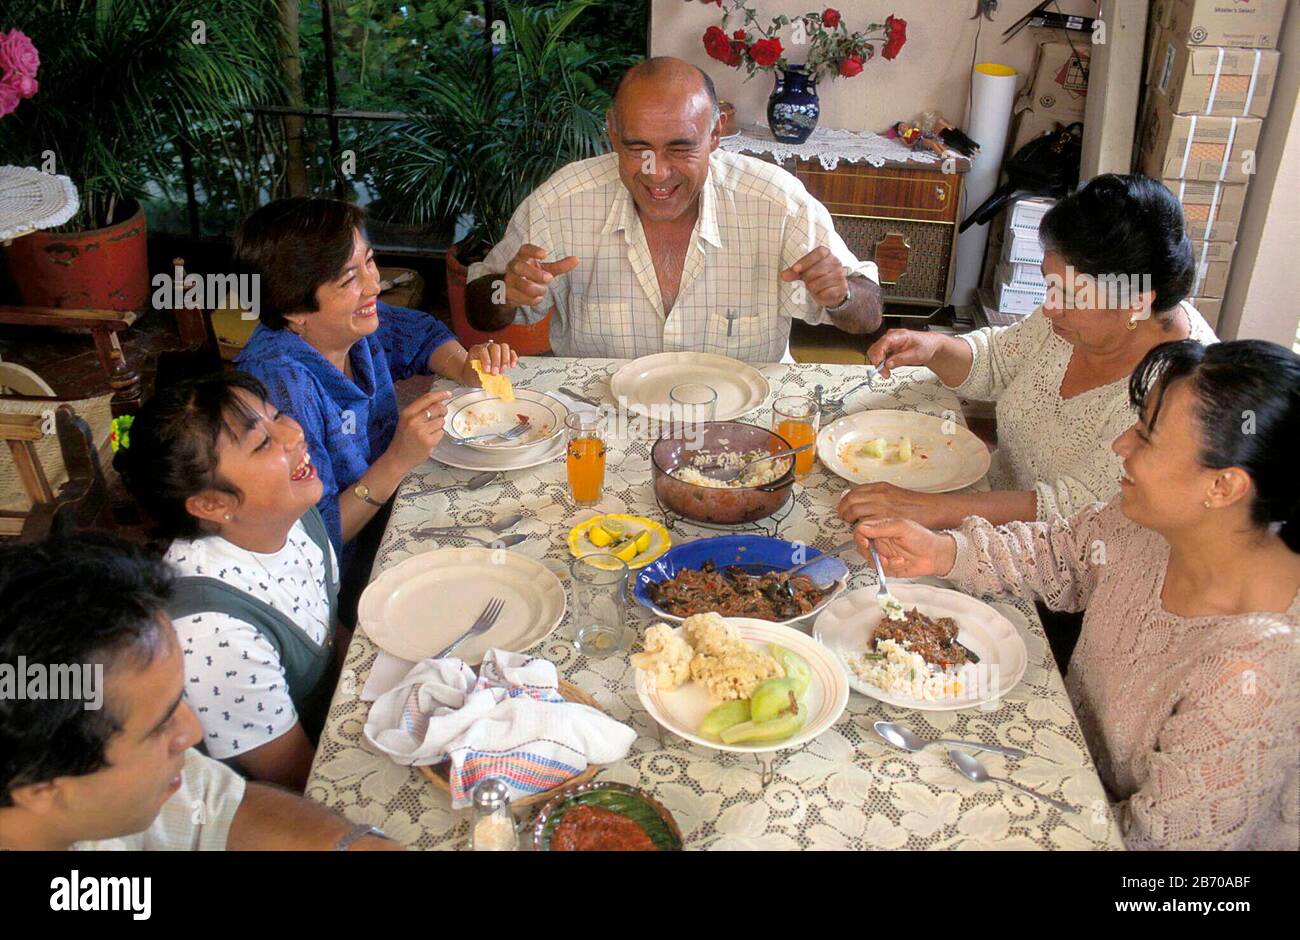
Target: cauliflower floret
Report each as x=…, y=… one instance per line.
x=734, y=674
x=667, y=655
x=711, y=635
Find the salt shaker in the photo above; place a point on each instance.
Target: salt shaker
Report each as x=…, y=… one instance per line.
x=492, y=828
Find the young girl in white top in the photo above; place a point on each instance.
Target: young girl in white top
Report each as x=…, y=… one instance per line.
x=228, y=479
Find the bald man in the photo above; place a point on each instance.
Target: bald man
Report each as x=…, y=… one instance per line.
x=670, y=244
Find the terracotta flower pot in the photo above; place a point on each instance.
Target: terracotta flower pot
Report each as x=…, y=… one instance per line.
x=98, y=269
x=529, y=339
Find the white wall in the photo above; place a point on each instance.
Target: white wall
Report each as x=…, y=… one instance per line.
x=932, y=71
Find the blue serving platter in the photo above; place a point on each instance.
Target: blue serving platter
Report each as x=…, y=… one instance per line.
x=754, y=553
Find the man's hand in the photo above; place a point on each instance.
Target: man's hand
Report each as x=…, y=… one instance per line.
x=822, y=274
x=872, y=501
x=527, y=276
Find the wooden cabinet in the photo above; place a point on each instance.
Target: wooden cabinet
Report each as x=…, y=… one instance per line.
x=902, y=215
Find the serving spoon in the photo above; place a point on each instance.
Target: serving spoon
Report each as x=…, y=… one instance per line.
x=904, y=737
x=974, y=770
x=504, y=524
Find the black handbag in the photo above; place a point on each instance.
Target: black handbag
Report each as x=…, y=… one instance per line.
x=1046, y=166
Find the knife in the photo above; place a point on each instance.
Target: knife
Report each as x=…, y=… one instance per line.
x=582, y=398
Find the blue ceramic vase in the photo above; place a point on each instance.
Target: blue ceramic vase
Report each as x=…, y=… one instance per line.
x=793, y=108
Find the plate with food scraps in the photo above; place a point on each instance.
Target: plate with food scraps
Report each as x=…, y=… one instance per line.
x=464, y=457
x=416, y=608
x=723, y=573
x=912, y=678
x=644, y=384
x=634, y=539
x=717, y=709
x=907, y=448
x=478, y=412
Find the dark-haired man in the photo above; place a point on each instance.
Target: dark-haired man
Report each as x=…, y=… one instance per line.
x=116, y=769
x=669, y=243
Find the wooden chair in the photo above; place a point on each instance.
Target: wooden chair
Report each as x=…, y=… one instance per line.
x=81, y=503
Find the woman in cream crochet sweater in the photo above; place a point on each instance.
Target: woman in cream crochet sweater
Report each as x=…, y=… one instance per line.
x=1059, y=377
x=1185, y=676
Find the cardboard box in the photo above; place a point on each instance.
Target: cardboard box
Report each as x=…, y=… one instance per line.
x=1208, y=307
x=1194, y=147
x=1213, y=261
x=1211, y=211
x=1057, y=91
x=1213, y=79
x=1250, y=23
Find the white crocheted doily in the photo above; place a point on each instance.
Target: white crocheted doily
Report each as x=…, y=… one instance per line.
x=828, y=146
x=31, y=200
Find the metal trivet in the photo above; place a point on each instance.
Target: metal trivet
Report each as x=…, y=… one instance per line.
x=767, y=525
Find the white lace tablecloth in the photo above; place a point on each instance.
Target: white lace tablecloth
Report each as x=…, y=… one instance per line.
x=844, y=790
x=31, y=200
x=827, y=145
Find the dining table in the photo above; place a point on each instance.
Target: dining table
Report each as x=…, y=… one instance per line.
x=846, y=789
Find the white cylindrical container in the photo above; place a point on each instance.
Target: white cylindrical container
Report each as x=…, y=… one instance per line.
x=993, y=92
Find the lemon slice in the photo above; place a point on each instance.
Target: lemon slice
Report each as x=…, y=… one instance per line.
x=615, y=527
x=627, y=552
x=643, y=541
x=599, y=536
x=498, y=386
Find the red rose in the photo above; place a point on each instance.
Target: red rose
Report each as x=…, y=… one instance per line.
x=895, y=36
x=739, y=34
x=851, y=66
x=830, y=18
x=736, y=57
x=716, y=43
x=766, y=51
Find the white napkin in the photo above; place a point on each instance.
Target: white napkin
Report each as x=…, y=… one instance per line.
x=573, y=404
x=509, y=722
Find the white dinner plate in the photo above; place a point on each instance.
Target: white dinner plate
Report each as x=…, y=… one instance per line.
x=646, y=382
x=464, y=457
x=847, y=623
x=945, y=455
x=416, y=608
x=476, y=412
x=681, y=710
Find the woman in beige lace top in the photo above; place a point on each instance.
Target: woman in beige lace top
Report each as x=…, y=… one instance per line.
x=1059, y=377
x=1185, y=676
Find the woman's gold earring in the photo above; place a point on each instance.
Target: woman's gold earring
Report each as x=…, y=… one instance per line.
x=1133, y=322
x=1206, y=504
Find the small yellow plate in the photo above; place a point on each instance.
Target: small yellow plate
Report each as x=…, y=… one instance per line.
x=660, y=541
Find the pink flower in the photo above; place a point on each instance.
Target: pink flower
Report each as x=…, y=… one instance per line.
x=25, y=85
x=9, y=98
x=17, y=54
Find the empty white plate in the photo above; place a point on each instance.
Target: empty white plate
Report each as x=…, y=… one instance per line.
x=681, y=710
x=945, y=455
x=645, y=383
x=847, y=623
x=416, y=608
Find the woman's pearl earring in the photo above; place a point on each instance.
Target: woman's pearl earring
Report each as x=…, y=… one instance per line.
x=228, y=517
x=1206, y=504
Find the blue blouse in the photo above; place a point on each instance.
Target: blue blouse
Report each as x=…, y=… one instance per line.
x=349, y=422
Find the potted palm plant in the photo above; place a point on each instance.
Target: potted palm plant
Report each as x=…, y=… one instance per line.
x=122, y=82
x=490, y=129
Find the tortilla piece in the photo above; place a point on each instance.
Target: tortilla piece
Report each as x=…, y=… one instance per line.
x=495, y=385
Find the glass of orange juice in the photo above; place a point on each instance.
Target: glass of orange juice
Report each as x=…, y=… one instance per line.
x=586, y=456
x=796, y=418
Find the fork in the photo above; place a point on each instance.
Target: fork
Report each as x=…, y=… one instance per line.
x=883, y=595
x=837, y=403
x=484, y=623
x=510, y=435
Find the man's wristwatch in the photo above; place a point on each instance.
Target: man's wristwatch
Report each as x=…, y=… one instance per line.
x=848, y=295
x=362, y=492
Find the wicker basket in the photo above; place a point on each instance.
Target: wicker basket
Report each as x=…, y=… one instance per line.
x=437, y=773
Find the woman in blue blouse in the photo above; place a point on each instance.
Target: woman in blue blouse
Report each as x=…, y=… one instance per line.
x=329, y=354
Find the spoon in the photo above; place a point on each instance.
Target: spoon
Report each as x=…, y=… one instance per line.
x=904, y=737
x=504, y=524
x=836, y=403
x=505, y=541
x=476, y=482
x=976, y=771
x=714, y=472
x=837, y=550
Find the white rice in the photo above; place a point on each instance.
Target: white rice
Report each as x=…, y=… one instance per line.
x=904, y=673
x=761, y=473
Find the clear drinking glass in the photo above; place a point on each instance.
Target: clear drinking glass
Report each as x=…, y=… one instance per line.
x=796, y=418
x=585, y=456
x=696, y=402
x=599, y=604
